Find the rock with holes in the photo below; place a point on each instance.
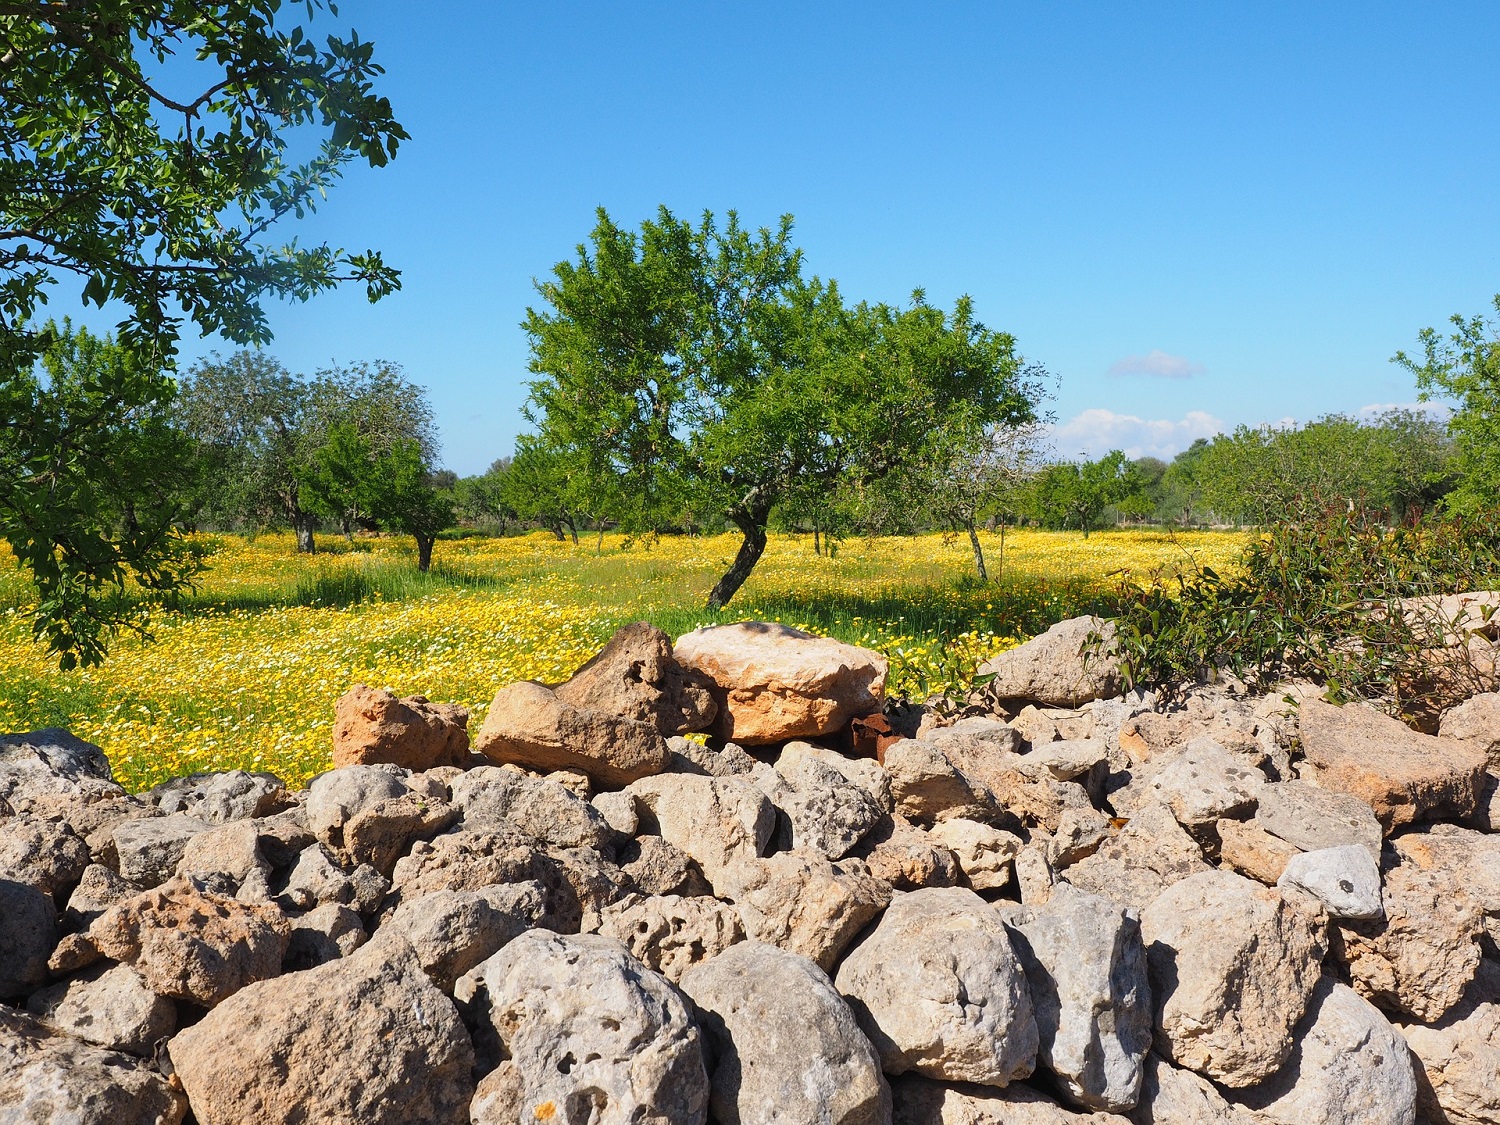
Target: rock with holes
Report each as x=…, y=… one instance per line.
x=492, y=798
x=1458, y=1056
x=109, y=1006
x=671, y=934
x=785, y=1045
x=1203, y=782
x=1063, y=667
x=635, y=676
x=576, y=1030
x=1151, y=853
x=1345, y=880
x=826, y=812
x=371, y=726
x=716, y=820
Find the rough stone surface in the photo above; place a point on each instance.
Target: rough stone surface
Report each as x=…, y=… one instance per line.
x=1248, y=848
x=221, y=797
x=921, y=1101
x=1151, y=853
x=635, y=676
x=149, y=850
x=28, y=933
x=48, y=854
x=909, y=858
x=938, y=990
x=1405, y=776
x=371, y=727
x=1232, y=967
x=52, y=761
x=1086, y=966
x=367, y=1038
x=656, y=867
x=1079, y=834
x=109, y=1007
x=52, y=1078
x=1458, y=1057
x=1471, y=859
x=231, y=850
x=1345, y=880
x=1312, y=818
x=826, y=811
x=802, y=902
x=619, y=811
x=716, y=820
x=336, y=797
x=316, y=880
x=1203, y=782
x=577, y=1031
x=926, y=785
x=786, y=1046
x=452, y=931
x=670, y=933
x=492, y=798
x=1173, y=1096
x=1054, y=668
x=984, y=853
x=323, y=934
x=772, y=683
x=1476, y=721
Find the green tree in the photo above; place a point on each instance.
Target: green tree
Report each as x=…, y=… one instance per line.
x=1464, y=367
x=406, y=497
x=160, y=198
x=1181, y=490
x=1076, y=493
x=481, y=501
x=692, y=370
x=543, y=485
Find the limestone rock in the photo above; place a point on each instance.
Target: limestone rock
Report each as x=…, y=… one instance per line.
x=1203, y=782
x=218, y=798
x=463, y=861
x=586, y=1033
x=826, y=811
x=1251, y=850
x=1080, y=833
x=656, y=867
x=230, y=849
x=786, y=1046
x=491, y=798
x=48, y=854
x=317, y=880
x=1458, y=1056
x=109, y=1007
x=866, y=773
x=366, y=1038
x=528, y=725
x=670, y=933
x=1233, y=965
x=1471, y=859
x=635, y=676
x=984, y=853
x=336, y=797
x=802, y=902
x=1345, y=880
x=927, y=786
x=53, y=763
x=921, y=1101
x=371, y=726
x=150, y=850
x=619, y=811
x=1312, y=818
x=1476, y=721
x=909, y=858
x=1173, y=1096
x=380, y=834
x=716, y=820
x=772, y=683
x=323, y=934
x=28, y=933
x=938, y=990
x=1055, y=668
x=1404, y=776
x=452, y=931
x=1150, y=854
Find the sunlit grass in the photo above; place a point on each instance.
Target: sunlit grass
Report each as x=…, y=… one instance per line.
x=245, y=672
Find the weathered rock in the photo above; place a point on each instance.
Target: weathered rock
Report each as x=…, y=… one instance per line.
x=1080, y=833
x=47, y=1077
x=1476, y=721
x=150, y=850
x=786, y=1046
x=284, y=836
x=317, y=880
x=322, y=935
x=1034, y=879
x=366, y=1038
x=53, y=762
x=463, y=861
x=218, y=798
x=578, y=1031
x=938, y=990
x=371, y=726
x=656, y=867
x=802, y=902
x=691, y=756
x=927, y=786
x=1203, y=782
x=1458, y=1056
x=1086, y=967
x=193, y=945
x=772, y=683
x=1345, y=880
x=1151, y=853
x=452, y=931
x=866, y=773
x=1404, y=776
x=109, y=1007
x=491, y=798
x=28, y=933
x=336, y=797
x=826, y=812
x=231, y=849
x=1232, y=967
x=1349, y=1067
x=381, y=834
x=909, y=858
x=1056, y=667
x=1173, y=1096
x=670, y=933
x=921, y=1101
x=619, y=811
x=1471, y=859
x=716, y=820
x=528, y=725
x=48, y=854
x=1251, y=850
x=984, y=853
x=1312, y=818
x=635, y=676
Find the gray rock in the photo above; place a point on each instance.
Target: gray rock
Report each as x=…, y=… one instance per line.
x=827, y=813
x=48, y=854
x=619, y=811
x=466, y=861
x=1033, y=875
x=317, y=880
x=150, y=850
x=366, y=1038
x=323, y=934
x=1311, y=818
x=231, y=849
x=1064, y=759
x=937, y=989
x=381, y=833
x=109, y=1007
x=97, y=890
x=452, y=931
x=786, y=1046
x=1458, y=1057
x=60, y=753
x=28, y=933
x=1345, y=880
x=221, y=797
x=1203, y=782
x=336, y=797
x=926, y=785
x=1057, y=667
x=1086, y=968
x=909, y=858
x=670, y=933
x=656, y=867
x=1151, y=853
x=716, y=820
x=577, y=1028
x=1173, y=1096
x=686, y=755
x=491, y=797
x=867, y=773
x=1080, y=833
x=921, y=1101
x=47, y=1077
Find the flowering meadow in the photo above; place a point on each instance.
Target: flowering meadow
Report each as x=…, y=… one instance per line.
x=244, y=673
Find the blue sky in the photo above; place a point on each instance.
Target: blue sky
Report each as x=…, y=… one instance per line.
x=1195, y=215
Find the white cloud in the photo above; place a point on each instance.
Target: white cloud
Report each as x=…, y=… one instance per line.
x=1095, y=432
x=1439, y=410
x=1158, y=364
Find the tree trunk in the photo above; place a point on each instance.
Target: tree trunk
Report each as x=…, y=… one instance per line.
x=347, y=526
x=599, y=543
x=573, y=529
x=557, y=530
x=984, y=575
x=750, y=551
x=424, y=551
x=1000, y=562
x=817, y=546
x=303, y=523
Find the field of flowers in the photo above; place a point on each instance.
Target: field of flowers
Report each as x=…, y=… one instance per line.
x=245, y=672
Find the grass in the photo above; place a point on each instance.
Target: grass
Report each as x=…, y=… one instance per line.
x=245, y=671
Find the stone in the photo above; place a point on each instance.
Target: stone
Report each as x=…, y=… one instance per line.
x=1203, y=782
x=1034, y=879
x=786, y=1046
x=772, y=683
x=372, y=727
x=528, y=725
x=1057, y=667
x=1405, y=776
x=635, y=676
x=492, y=797
x=921, y=1101
x=619, y=811
x=1233, y=966
x=716, y=820
x=909, y=858
x=28, y=933
x=150, y=850
x=1080, y=833
x=1476, y=721
x=670, y=933
x=1173, y=1096
x=98, y=889
x=381, y=834
x=1458, y=1056
x=1151, y=853
x=1248, y=848
x=1085, y=964
x=927, y=786
x=656, y=867
x=56, y=762
x=191, y=944
x=576, y=1030
x=109, y=1007
x=366, y=1038
x=323, y=934
x=803, y=903
x=317, y=880
x=1470, y=858
x=284, y=836
x=937, y=990
x=336, y=797
x=690, y=756
x=53, y=1078
x=48, y=854
x=1063, y=759
x=217, y=798
x=1312, y=818
x=1345, y=880
x=463, y=861
x=230, y=849
x=826, y=811
x=452, y=931
x=984, y=853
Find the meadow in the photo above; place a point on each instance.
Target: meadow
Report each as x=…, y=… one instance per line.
x=244, y=672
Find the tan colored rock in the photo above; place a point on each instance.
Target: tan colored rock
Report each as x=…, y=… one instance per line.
x=1173, y=1096
x=1057, y=667
x=1233, y=965
x=984, y=853
x=716, y=820
x=1080, y=833
x=1458, y=1057
x=1477, y=722
x=671, y=934
x=381, y=834
x=1202, y=782
x=773, y=683
x=921, y=1101
x=908, y=858
x=47, y=854
x=371, y=726
x=656, y=867
x=1404, y=776
x=635, y=676
x=1150, y=854
x=1471, y=859
x=528, y=725
x=1251, y=850
x=110, y=1007
x=927, y=786
x=1311, y=818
